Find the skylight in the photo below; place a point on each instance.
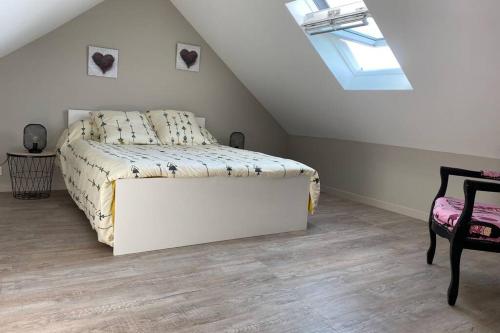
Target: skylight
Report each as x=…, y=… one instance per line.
x=369, y=58
x=369, y=31
x=350, y=42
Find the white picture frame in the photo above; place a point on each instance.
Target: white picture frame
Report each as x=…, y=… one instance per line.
x=100, y=63
x=186, y=59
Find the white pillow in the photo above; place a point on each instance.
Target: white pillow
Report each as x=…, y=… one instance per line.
x=176, y=127
x=121, y=127
x=208, y=137
x=83, y=129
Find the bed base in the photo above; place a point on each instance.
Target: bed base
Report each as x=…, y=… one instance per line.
x=158, y=213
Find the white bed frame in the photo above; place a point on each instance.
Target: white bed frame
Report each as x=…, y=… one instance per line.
x=160, y=213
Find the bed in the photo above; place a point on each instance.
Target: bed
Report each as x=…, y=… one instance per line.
x=150, y=197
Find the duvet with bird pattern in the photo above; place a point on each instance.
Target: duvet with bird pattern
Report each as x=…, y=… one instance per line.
x=90, y=169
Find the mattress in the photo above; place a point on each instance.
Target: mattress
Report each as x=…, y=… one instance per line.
x=90, y=169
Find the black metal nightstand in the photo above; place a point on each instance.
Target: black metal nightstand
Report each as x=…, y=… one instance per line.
x=31, y=174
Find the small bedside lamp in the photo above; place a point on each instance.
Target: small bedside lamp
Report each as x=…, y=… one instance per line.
x=35, y=138
x=237, y=140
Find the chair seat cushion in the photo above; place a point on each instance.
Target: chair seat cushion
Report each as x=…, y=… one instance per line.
x=485, y=222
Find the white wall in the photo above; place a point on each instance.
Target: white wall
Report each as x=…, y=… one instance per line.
x=21, y=22
x=396, y=178
x=446, y=48
x=43, y=79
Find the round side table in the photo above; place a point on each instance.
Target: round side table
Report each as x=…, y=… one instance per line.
x=31, y=174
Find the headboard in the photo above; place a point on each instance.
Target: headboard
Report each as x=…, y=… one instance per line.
x=75, y=115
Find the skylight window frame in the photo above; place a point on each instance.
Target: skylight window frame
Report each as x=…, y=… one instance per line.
x=360, y=34
x=334, y=21
x=340, y=59
x=353, y=64
x=360, y=38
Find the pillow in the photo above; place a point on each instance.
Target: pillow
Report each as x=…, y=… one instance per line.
x=83, y=129
x=176, y=127
x=120, y=127
x=208, y=137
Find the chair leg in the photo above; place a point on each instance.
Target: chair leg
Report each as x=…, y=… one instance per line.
x=432, y=247
x=455, y=254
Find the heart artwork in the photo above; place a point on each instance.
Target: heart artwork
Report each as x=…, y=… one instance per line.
x=189, y=57
x=104, y=62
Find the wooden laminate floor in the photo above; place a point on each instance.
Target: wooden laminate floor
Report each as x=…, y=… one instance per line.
x=356, y=269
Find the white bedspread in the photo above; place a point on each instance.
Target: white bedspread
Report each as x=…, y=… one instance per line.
x=90, y=169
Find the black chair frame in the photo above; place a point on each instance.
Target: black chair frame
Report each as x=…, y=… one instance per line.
x=458, y=235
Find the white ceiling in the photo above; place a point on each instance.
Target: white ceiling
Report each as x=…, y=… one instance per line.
x=447, y=48
x=23, y=21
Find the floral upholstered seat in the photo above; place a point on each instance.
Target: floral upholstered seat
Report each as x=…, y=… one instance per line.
x=485, y=222
x=465, y=223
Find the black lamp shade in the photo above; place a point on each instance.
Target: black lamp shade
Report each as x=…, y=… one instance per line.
x=35, y=138
x=237, y=140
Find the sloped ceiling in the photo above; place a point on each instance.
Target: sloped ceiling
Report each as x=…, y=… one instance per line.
x=23, y=21
x=447, y=49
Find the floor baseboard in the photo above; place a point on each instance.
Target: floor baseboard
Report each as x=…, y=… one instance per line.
x=411, y=212
x=5, y=188
x=407, y=211
x=56, y=186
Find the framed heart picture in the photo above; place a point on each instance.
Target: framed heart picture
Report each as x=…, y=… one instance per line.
x=103, y=62
x=188, y=57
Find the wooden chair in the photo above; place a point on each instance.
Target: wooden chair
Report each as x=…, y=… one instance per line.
x=466, y=224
